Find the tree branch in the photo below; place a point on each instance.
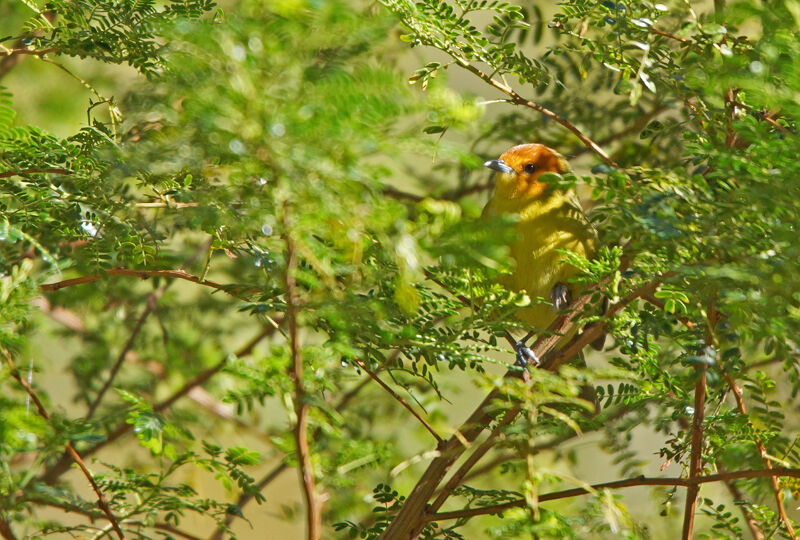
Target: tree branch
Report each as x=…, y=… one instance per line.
x=752, y=524
x=5, y=528
x=412, y=516
x=696, y=457
x=101, y=499
x=400, y=400
x=52, y=473
x=301, y=405
x=245, y=498
x=9, y=174
x=617, y=484
x=152, y=299
x=519, y=100
x=143, y=274
x=776, y=490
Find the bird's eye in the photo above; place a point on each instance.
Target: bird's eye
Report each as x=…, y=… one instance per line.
x=529, y=168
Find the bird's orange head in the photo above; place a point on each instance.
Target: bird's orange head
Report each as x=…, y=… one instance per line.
x=519, y=169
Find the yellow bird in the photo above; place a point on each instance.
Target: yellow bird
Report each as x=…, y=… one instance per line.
x=549, y=219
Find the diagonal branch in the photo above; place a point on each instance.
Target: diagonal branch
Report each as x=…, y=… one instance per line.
x=762, y=449
x=278, y=469
x=52, y=473
x=152, y=298
x=519, y=100
x=412, y=516
x=101, y=498
x=400, y=400
x=5, y=529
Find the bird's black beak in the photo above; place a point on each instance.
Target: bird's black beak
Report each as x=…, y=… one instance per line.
x=499, y=165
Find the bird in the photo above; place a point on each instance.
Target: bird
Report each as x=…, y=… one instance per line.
x=550, y=218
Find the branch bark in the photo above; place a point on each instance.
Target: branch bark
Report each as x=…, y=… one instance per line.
x=413, y=515
x=762, y=449
x=301, y=405
x=101, y=498
x=52, y=473
x=143, y=274
x=617, y=484
x=400, y=400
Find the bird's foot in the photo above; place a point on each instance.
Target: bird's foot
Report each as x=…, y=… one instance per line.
x=559, y=295
x=525, y=356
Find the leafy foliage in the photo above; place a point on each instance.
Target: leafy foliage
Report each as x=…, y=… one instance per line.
x=273, y=175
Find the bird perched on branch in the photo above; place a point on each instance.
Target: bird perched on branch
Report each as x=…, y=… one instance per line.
x=549, y=219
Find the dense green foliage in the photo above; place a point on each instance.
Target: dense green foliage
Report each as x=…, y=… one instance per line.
x=270, y=236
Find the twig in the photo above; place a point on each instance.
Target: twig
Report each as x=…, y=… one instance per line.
x=737, y=394
x=696, y=456
x=8, y=63
x=152, y=299
x=752, y=524
x=470, y=462
x=399, y=399
x=101, y=499
x=519, y=100
x=245, y=498
x=765, y=115
x=143, y=274
x=9, y=174
x=658, y=32
x=35, y=52
x=631, y=482
x=61, y=466
x=696, y=459
x=635, y=127
x=301, y=405
x=5, y=528
x=395, y=193
x=166, y=205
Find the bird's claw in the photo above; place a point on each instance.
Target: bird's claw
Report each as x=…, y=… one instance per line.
x=525, y=356
x=559, y=295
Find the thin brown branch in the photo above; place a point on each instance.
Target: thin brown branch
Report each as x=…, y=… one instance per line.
x=245, y=498
x=766, y=116
x=143, y=274
x=166, y=205
x=696, y=456
x=52, y=473
x=301, y=405
x=751, y=521
x=617, y=484
x=399, y=399
x=395, y=193
x=9, y=174
x=634, y=128
x=5, y=528
x=762, y=449
x=659, y=304
x=101, y=498
x=519, y=100
x=467, y=190
x=33, y=52
x=470, y=462
x=658, y=32
x=8, y=62
x=152, y=299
